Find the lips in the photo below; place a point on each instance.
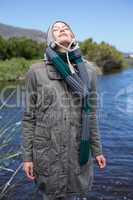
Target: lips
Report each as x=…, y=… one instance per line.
x=63, y=35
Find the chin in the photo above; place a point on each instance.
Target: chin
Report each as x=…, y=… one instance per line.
x=65, y=42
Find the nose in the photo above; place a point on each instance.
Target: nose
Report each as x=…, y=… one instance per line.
x=61, y=30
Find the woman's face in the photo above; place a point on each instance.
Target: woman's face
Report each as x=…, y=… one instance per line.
x=62, y=33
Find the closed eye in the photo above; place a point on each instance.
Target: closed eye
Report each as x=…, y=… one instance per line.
x=57, y=29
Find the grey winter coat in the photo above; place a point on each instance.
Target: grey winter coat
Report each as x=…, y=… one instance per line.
x=51, y=131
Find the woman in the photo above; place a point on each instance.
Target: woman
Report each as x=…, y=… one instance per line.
x=59, y=126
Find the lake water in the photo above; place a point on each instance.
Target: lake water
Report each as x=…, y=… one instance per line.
x=115, y=119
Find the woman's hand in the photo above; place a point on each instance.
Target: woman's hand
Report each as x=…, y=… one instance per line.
x=101, y=161
x=28, y=169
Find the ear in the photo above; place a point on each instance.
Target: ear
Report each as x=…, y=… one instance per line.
x=72, y=35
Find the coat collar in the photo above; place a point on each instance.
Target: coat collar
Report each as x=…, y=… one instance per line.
x=53, y=73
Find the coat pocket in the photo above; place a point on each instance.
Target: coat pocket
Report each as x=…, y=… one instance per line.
x=42, y=132
x=41, y=147
x=42, y=162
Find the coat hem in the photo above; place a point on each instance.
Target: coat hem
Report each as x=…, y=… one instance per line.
x=70, y=194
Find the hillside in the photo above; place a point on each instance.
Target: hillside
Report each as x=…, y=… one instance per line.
x=8, y=31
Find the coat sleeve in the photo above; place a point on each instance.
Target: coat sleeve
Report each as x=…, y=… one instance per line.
x=94, y=129
x=29, y=117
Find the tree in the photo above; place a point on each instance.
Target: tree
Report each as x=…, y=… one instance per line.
x=3, y=48
x=21, y=47
x=103, y=54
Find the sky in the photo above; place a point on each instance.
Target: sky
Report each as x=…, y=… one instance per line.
x=102, y=20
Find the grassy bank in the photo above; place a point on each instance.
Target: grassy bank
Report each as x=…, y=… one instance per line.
x=14, y=69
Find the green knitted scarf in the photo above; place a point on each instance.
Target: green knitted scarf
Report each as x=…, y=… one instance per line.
x=79, y=84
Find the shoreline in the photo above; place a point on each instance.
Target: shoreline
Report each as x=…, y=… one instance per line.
x=14, y=69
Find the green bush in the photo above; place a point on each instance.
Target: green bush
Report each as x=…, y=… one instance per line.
x=21, y=47
x=14, y=68
x=103, y=54
x=19, y=53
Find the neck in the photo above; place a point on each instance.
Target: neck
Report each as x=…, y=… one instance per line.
x=60, y=49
